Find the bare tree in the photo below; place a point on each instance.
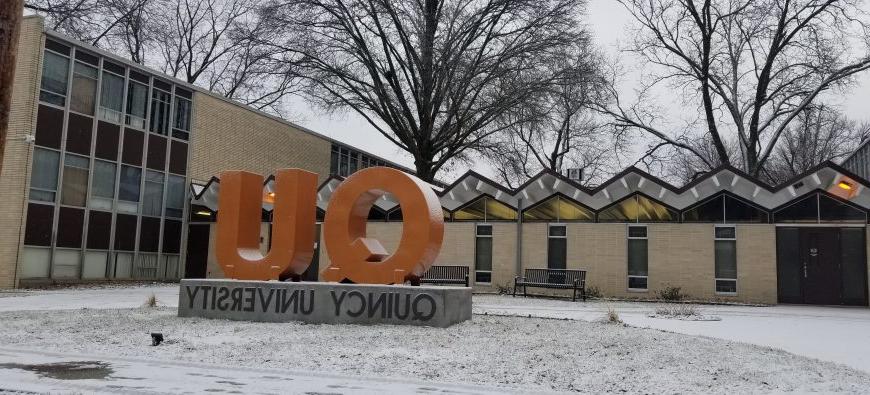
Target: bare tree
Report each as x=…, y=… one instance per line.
x=752, y=65
x=819, y=133
x=216, y=44
x=431, y=75
x=554, y=129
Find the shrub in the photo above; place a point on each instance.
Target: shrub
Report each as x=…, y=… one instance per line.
x=612, y=316
x=593, y=292
x=673, y=294
x=150, y=301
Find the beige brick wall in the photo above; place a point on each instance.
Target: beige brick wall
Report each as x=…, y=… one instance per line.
x=16, y=161
x=231, y=137
x=756, y=264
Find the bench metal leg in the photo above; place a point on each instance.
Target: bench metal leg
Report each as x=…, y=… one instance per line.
x=574, y=295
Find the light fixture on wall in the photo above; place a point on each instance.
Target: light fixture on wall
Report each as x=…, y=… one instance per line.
x=845, y=185
x=204, y=213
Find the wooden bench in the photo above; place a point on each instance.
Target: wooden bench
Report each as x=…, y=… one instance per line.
x=446, y=274
x=553, y=278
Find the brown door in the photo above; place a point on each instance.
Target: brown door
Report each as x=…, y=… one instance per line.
x=821, y=265
x=197, y=251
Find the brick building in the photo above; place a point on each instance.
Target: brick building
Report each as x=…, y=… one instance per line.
x=101, y=155
x=726, y=236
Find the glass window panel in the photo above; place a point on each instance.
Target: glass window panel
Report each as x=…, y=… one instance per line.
x=43, y=176
x=637, y=231
x=726, y=259
x=84, y=89
x=129, y=184
x=725, y=232
x=38, y=230
x=103, y=185
x=833, y=210
x=137, y=103
x=112, y=98
x=182, y=113
x=652, y=211
x=483, y=253
x=66, y=264
x=70, y=227
x=726, y=286
x=558, y=231
x=804, y=210
x=625, y=210
x=713, y=210
x=175, y=197
x=484, y=230
x=637, y=282
x=472, y=212
x=55, y=76
x=737, y=210
x=498, y=211
x=35, y=262
x=152, y=203
x=637, y=257
x=556, y=252
x=160, y=111
x=74, y=189
x=558, y=208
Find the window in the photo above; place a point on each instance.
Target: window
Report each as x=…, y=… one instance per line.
x=483, y=254
x=818, y=207
x=182, y=118
x=485, y=209
x=725, y=208
x=161, y=103
x=43, y=177
x=557, y=240
x=152, y=202
x=74, y=189
x=112, y=98
x=128, y=190
x=726, y=259
x=84, y=89
x=137, y=104
x=175, y=197
x=638, y=253
x=559, y=209
x=103, y=185
x=637, y=208
x=55, y=75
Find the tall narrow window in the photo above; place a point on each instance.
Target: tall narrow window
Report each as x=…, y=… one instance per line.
x=161, y=103
x=112, y=98
x=74, y=190
x=43, y=177
x=726, y=259
x=55, y=75
x=152, y=202
x=638, y=263
x=181, y=126
x=137, y=104
x=557, y=247
x=84, y=89
x=483, y=254
x=175, y=196
x=128, y=191
x=103, y=185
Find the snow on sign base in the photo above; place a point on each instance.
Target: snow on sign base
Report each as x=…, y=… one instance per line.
x=324, y=303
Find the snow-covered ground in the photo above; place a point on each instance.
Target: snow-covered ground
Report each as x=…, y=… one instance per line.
x=838, y=334
x=520, y=353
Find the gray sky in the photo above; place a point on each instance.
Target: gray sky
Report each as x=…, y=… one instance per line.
x=608, y=21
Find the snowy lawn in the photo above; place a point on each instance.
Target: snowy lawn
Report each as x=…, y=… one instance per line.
x=528, y=353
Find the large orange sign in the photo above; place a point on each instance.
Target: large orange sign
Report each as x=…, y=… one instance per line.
x=354, y=256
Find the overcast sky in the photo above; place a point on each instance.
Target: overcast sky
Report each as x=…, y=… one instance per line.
x=606, y=19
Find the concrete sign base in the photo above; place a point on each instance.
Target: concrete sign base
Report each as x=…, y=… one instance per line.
x=324, y=303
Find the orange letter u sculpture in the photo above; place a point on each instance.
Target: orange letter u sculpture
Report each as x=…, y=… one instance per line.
x=238, y=225
x=364, y=260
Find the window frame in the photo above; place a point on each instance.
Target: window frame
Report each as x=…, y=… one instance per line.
x=716, y=279
x=478, y=235
x=564, y=237
x=629, y=237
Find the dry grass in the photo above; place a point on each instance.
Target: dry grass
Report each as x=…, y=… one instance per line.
x=150, y=301
x=612, y=316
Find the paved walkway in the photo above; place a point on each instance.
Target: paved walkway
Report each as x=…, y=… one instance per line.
x=45, y=372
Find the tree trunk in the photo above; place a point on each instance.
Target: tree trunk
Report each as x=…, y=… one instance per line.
x=11, y=12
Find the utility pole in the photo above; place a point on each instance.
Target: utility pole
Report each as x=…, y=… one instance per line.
x=11, y=12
